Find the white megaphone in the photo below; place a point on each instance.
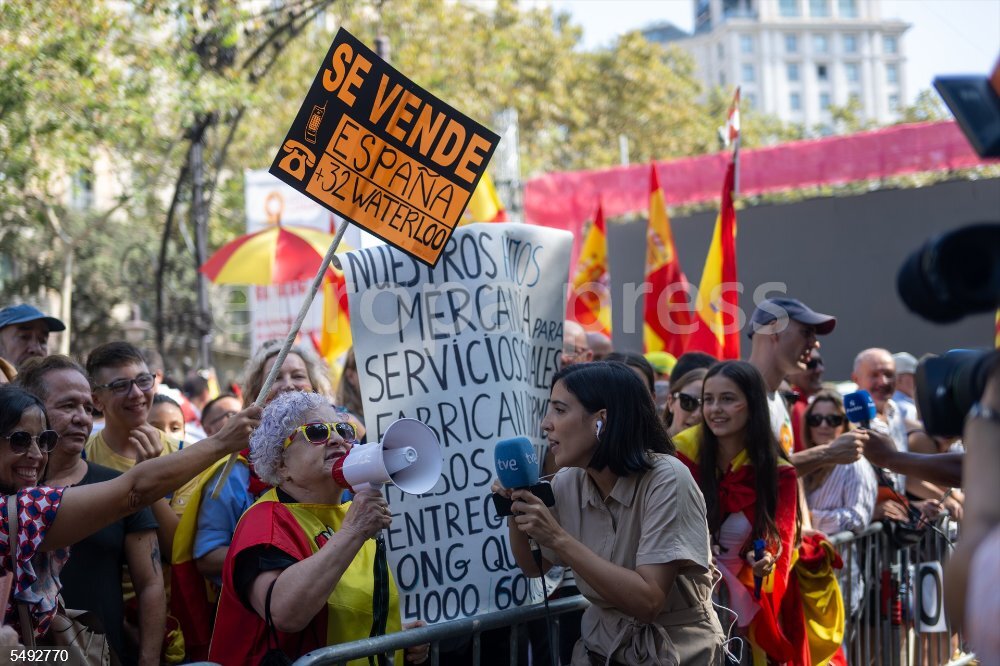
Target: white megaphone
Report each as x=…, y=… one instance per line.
x=408, y=456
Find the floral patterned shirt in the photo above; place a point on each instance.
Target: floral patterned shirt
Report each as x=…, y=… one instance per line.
x=36, y=578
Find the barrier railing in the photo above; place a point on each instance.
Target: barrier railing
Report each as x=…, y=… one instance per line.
x=472, y=626
x=889, y=619
x=897, y=617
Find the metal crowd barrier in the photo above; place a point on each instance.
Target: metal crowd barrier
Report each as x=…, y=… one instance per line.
x=514, y=618
x=881, y=630
x=896, y=622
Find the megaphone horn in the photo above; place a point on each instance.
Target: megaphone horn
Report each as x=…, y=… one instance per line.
x=408, y=456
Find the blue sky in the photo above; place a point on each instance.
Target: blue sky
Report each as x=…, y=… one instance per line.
x=946, y=37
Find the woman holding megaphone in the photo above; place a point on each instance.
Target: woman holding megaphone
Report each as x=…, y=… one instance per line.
x=628, y=519
x=304, y=570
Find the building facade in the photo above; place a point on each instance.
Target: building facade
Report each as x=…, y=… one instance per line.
x=795, y=59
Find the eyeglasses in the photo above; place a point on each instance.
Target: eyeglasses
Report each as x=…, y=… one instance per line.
x=573, y=352
x=814, y=363
x=20, y=441
x=832, y=420
x=321, y=433
x=143, y=382
x=689, y=403
x=222, y=418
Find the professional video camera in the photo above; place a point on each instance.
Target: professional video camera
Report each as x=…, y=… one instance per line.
x=958, y=273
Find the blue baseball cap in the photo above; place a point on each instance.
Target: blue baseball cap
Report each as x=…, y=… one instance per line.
x=23, y=313
x=773, y=308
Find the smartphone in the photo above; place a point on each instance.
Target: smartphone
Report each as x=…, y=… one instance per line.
x=543, y=491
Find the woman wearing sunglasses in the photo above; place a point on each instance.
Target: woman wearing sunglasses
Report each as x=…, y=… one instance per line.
x=840, y=497
x=684, y=404
x=304, y=569
x=51, y=519
x=206, y=529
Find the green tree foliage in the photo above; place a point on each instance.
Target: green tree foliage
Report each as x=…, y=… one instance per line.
x=107, y=92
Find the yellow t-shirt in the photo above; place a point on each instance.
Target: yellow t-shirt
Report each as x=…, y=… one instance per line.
x=97, y=451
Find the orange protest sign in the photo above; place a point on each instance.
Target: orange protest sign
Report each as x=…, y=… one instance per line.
x=372, y=146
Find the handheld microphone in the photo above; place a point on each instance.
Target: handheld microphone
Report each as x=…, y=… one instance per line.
x=758, y=554
x=517, y=467
x=516, y=463
x=860, y=408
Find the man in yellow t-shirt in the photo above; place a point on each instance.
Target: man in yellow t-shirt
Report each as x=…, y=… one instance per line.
x=123, y=390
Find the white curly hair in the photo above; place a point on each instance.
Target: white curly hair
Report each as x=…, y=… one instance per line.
x=281, y=417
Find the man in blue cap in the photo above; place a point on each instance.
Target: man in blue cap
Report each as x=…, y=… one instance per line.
x=24, y=333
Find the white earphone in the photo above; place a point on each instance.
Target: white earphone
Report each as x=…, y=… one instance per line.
x=600, y=424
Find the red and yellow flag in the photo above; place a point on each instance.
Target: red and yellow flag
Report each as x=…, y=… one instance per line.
x=335, y=338
x=717, y=303
x=667, y=314
x=484, y=205
x=590, y=298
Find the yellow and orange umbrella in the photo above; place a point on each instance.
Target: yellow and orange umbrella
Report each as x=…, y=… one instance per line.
x=288, y=254
x=271, y=256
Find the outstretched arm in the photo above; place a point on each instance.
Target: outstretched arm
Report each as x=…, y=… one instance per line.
x=941, y=468
x=86, y=509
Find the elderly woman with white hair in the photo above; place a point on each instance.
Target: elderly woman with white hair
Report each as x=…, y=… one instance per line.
x=305, y=570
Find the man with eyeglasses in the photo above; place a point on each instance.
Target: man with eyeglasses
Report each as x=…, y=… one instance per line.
x=123, y=388
x=92, y=578
x=575, y=348
x=24, y=334
x=123, y=391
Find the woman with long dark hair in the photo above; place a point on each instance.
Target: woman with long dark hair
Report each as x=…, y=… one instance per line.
x=628, y=519
x=750, y=494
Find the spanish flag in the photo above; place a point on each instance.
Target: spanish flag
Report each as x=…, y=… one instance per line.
x=335, y=338
x=590, y=300
x=717, y=304
x=667, y=314
x=484, y=205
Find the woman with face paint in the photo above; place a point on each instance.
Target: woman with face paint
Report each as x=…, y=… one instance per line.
x=750, y=493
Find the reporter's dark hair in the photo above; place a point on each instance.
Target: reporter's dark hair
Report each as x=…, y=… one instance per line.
x=14, y=402
x=761, y=445
x=631, y=428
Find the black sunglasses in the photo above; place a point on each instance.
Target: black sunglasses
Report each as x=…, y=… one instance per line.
x=832, y=420
x=814, y=363
x=144, y=381
x=689, y=403
x=20, y=441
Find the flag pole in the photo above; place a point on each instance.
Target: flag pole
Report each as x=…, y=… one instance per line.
x=289, y=341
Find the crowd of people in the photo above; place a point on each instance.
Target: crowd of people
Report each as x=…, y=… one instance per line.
x=688, y=491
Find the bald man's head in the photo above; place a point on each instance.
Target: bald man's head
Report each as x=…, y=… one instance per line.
x=599, y=344
x=575, y=347
x=875, y=372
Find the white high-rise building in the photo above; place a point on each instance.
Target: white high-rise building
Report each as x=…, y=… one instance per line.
x=796, y=58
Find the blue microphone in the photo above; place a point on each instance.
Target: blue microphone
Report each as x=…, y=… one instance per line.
x=860, y=408
x=758, y=554
x=516, y=463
